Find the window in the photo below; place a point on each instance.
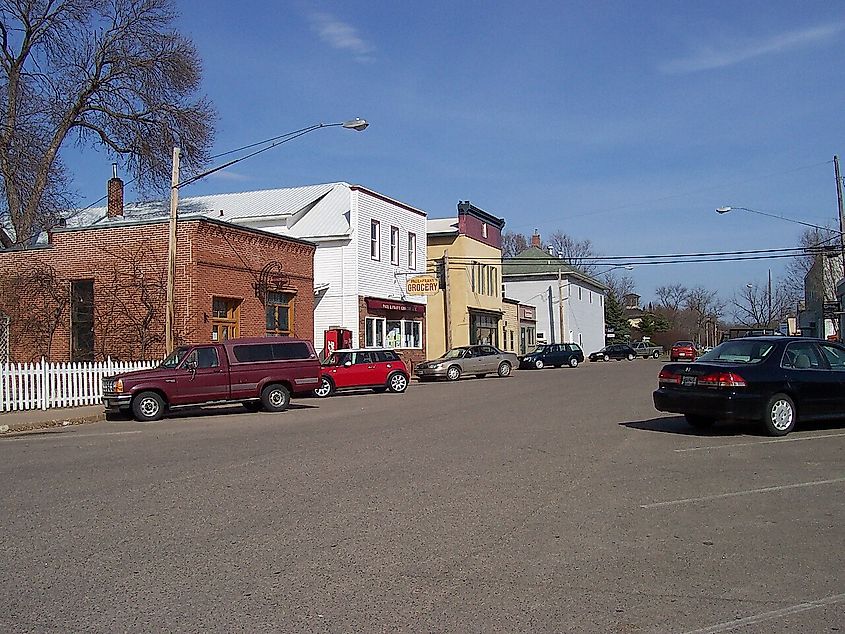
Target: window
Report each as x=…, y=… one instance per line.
x=491, y=289
x=801, y=356
x=82, y=320
x=272, y=352
x=279, y=313
x=204, y=358
x=483, y=229
x=412, y=251
x=225, y=314
x=835, y=356
x=386, y=356
x=394, y=246
x=579, y=293
x=495, y=286
x=472, y=273
x=394, y=333
x=375, y=240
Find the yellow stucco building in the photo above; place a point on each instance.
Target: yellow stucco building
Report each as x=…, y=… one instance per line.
x=466, y=254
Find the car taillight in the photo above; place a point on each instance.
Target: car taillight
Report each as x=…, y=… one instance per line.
x=118, y=386
x=666, y=376
x=721, y=379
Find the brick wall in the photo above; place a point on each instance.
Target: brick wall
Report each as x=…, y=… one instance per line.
x=128, y=264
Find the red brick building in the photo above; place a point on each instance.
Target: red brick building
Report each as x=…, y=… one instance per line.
x=100, y=291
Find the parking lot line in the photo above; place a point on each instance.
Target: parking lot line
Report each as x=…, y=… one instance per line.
x=767, y=616
x=759, y=442
x=720, y=496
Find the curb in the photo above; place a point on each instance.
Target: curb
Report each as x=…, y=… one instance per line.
x=15, y=429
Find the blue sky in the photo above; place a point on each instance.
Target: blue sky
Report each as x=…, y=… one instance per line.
x=626, y=123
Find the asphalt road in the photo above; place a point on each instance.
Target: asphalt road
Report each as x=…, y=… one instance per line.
x=550, y=501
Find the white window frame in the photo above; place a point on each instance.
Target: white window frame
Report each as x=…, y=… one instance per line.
x=412, y=251
x=373, y=326
x=375, y=240
x=394, y=246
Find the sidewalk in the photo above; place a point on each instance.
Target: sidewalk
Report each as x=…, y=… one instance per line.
x=43, y=418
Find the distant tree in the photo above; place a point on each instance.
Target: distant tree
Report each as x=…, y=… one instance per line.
x=577, y=253
x=620, y=285
x=108, y=73
x=672, y=296
x=753, y=307
x=514, y=243
x=615, y=319
x=651, y=324
x=703, y=306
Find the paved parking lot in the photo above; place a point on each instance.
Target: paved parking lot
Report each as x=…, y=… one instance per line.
x=550, y=501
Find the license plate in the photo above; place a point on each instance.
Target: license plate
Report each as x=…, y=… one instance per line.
x=687, y=380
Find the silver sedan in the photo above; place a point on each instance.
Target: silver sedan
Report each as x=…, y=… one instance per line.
x=474, y=360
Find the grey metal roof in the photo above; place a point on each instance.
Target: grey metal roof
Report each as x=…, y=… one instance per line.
x=441, y=225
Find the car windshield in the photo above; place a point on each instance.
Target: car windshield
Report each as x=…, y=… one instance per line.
x=454, y=353
x=174, y=358
x=739, y=351
x=539, y=349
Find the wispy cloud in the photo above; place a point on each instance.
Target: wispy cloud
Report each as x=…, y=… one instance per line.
x=730, y=53
x=342, y=36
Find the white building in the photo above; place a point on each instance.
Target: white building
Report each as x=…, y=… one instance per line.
x=570, y=304
x=367, y=246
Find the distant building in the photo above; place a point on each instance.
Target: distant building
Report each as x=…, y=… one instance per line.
x=570, y=303
x=820, y=316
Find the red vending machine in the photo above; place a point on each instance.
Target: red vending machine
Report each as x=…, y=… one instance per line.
x=336, y=339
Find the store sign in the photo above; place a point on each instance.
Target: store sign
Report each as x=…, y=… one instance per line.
x=380, y=304
x=422, y=285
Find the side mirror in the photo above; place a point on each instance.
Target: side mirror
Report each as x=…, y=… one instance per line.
x=191, y=365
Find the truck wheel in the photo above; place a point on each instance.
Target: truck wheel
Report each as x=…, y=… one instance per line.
x=573, y=362
x=275, y=398
x=148, y=407
x=326, y=388
x=656, y=354
x=397, y=383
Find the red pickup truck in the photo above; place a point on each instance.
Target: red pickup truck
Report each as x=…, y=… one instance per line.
x=258, y=372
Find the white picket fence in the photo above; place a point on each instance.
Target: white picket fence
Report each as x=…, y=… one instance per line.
x=45, y=385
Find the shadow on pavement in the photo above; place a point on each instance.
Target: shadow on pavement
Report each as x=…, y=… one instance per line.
x=677, y=425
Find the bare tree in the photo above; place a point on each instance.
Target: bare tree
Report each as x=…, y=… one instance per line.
x=620, y=285
x=513, y=244
x=754, y=307
x=703, y=306
x=110, y=73
x=672, y=296
x=577, y=253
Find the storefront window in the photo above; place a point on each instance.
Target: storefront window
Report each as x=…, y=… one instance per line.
x=483, y=329
x=279, y=313
x=393, y=333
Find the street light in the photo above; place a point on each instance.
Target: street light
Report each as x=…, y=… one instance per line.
x=356, y=124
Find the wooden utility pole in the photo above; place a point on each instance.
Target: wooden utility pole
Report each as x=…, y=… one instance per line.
x=447, y=318
x=561, y=314
x=841, y=209
x=170, y=313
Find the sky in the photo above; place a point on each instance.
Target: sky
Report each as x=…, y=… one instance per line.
x=626, y=123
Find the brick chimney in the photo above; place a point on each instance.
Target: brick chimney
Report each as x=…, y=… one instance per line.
x=115, y=190
x=535, y=239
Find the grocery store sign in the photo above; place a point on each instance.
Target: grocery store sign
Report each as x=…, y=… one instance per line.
x=422, y=285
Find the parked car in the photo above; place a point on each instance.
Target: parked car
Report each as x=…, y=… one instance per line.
x=381, y=370
x=777, y=381
x=616, y=351
x=646, y=349
x=258, y=371
x=553, y=354
x=683, y=350
x=477, y=360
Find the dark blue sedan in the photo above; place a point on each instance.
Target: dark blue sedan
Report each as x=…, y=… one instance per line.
x=775, y=380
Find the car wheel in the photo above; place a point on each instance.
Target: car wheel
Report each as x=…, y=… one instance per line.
x=630, y=357
x=397, y=382
x=275, y=398
x=605, y=358
x=252, y=406
x=539, y=364
x=573, y=362
x=699, y=422
x=656, y=354
x=326, y=388
x=779, y=415
x=504, y=369
x=148, y=407
x=453, y=373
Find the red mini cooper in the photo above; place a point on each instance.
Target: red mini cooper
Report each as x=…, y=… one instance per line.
x=379, y=369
